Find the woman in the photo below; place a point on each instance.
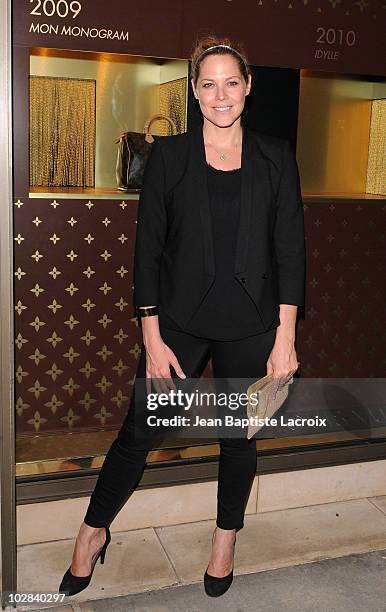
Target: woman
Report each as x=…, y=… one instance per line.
x=218, y=273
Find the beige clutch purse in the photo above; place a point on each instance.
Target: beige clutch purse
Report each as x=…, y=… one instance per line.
x=262, y=404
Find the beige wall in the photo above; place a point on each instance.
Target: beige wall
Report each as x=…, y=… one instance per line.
x=126, y=95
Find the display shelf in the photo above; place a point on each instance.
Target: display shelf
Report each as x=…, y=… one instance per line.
x=334, y=196
x=75, y=193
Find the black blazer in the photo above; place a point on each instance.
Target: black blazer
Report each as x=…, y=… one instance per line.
x=174, y=263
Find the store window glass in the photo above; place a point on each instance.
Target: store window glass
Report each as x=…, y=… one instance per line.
x=77, y=341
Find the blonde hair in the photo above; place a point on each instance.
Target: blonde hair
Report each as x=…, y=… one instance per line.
x=211, y=44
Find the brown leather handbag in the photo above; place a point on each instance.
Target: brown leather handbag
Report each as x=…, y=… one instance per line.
x=133, y=151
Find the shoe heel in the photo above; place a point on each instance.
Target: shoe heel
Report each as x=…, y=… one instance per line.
x=215, y=587
x=107, y=542
x=71, y=585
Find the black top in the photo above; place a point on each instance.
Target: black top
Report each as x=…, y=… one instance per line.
x=227, y=312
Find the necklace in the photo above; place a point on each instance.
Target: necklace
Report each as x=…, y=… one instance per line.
x=223, y=156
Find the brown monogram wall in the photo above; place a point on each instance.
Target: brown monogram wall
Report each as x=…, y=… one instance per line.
x=77, y=343
x=343, y=333
x=76, y=339
x=334, y=35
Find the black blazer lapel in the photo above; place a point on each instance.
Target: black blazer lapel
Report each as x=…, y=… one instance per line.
x=198, y=161
x=245, y=202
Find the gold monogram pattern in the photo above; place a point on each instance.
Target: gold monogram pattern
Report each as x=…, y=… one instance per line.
x=76, y=340
x=343, y=332
x=77, y=343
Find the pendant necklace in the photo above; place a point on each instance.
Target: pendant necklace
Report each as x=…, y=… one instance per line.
x=223, y=156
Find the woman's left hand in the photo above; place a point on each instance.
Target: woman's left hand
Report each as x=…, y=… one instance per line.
x=282, y=361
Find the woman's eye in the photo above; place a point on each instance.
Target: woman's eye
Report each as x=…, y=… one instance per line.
x=231, y=83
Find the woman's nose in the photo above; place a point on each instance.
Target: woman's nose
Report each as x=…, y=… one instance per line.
x=220, y=94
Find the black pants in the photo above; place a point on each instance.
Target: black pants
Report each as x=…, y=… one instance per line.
x=124, y=463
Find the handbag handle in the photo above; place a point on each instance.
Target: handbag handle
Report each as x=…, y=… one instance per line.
x=157, y=117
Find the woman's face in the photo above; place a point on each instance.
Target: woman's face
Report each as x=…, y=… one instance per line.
x=221, y=89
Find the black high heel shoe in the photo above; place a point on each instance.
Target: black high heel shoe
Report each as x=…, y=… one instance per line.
x=71, y=585
x=214, y=586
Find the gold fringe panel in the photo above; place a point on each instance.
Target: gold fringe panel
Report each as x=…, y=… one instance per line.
x=61, y=132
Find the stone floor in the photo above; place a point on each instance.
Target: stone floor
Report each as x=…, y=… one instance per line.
x=318, y=557
x=354, y=582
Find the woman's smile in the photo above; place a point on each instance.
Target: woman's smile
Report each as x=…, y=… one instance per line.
x=222, y=108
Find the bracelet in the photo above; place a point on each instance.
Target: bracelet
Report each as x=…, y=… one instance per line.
x=143, y=311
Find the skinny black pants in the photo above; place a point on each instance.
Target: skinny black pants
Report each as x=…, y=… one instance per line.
x=125, y=461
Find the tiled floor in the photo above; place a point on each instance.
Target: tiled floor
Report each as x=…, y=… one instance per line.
x=353, y=582
x=146, y=560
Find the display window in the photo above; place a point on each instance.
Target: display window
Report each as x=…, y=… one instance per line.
x=87, y=84
x=82, y=108
x=77, y=340
x=342, y=121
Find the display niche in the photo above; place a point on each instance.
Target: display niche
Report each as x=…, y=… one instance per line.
x=341, y=139
x=80, y=103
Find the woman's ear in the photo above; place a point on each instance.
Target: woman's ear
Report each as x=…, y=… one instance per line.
x=194, y=89
x=249, y=84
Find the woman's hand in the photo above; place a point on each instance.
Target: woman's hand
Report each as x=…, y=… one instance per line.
x=159, y=357
x=282, y=361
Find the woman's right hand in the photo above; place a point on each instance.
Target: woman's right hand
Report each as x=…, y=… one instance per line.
x=159, y=357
